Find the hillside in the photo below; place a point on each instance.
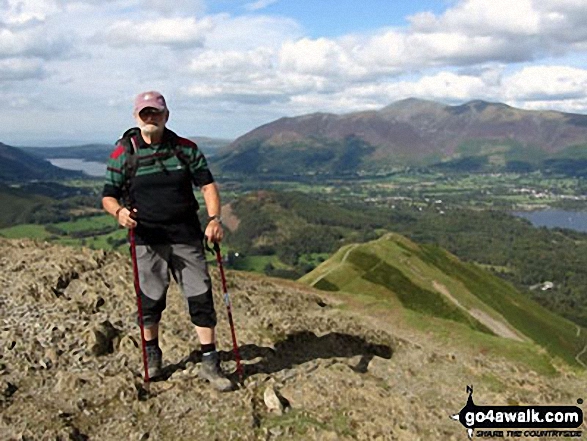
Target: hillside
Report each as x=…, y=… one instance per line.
x=18, y=166
x=346, y=368
x=298, y=230
x=427, y=281
x=100, y=152
x=473, y=136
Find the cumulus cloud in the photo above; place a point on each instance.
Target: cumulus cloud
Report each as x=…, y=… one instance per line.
x=546, y=83
x=320, y=57
x=534, y=26
x=31, y=42
x=179, y=32
x=480, y=17
x=21, y=12
x=473, y=32
x=257, y=65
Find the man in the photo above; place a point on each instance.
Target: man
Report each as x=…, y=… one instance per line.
x=156, y=184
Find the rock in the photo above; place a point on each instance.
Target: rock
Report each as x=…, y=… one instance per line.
x=100, y=339
x=7, y=389
x=68, y=382
x=272, y=401
x=51, y=354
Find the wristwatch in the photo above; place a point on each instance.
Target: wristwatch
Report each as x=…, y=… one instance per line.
x=216, y=218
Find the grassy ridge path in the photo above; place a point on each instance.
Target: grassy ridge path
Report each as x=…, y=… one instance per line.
x=500, y=328
x=342, y=261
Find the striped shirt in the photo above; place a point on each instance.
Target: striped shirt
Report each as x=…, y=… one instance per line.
x=161, y=189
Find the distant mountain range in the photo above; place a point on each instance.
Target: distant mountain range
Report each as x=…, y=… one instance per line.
x=100, y=152
x=477, y=135
x=17, y=165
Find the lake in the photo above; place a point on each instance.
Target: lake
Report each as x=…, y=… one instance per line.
x=89, y=167
x=574, y=220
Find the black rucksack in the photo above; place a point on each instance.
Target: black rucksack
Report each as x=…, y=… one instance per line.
x=130, y=142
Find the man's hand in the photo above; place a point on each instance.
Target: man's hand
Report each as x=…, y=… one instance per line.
x=126, y=218
x=214, y=231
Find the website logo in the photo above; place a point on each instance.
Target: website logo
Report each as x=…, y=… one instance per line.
x=522, y=421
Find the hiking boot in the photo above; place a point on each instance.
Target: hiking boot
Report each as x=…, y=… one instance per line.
x=210, y=370
x=154, y=361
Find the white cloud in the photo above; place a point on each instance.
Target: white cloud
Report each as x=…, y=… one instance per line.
x=546, y=83
x=181, y=32
x=183, y=7
x=21, y=12
x=256, y=66
x=233, y=63
x=20, y=69
x=482, y=17
x=321, y=57
x=31, y=42
x=259, y=4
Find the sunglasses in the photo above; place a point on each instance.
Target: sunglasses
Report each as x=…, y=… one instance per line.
x=150, y=111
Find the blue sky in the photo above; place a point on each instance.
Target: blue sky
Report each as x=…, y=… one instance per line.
x=69, y=69
x=334, y=18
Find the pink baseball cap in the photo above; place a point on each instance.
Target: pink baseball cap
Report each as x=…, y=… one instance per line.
x=150, y=99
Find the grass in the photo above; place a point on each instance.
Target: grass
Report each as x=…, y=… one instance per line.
x=551, y=331
x=456, y=334
x=254, y=263
x=413, y=274
x=298, y=422
x=31, y=231
x=86, y=224
x=17, y=205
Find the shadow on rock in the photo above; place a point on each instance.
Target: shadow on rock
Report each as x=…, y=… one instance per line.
x=305, y=346
x=295, y=349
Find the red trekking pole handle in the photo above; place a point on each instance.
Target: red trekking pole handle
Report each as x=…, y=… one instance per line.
x=235, y=350
x=135, y=269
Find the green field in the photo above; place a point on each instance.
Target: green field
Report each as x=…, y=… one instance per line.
x=31, y=231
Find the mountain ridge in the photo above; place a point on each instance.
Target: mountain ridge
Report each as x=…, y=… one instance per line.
x=410, y=132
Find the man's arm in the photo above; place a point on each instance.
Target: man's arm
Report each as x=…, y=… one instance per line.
x=121, y=213
x=214, y=231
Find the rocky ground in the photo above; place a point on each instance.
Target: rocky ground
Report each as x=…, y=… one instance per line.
x=314, y=368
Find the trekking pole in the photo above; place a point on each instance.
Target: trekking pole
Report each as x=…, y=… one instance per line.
x=235, y=350
x=135, y=269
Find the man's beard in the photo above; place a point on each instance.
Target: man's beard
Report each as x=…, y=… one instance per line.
x=152, y=129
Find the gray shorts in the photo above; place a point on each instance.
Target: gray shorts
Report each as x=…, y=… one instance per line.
x=187, y=264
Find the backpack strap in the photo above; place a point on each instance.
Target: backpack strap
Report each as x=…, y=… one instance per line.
x=130, y=142
x=178, y=151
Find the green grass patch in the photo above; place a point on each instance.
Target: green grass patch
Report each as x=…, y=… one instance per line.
x=87, y=224
x=297, y=422
x=556, y=334
x=452, y=333
x=31, y=231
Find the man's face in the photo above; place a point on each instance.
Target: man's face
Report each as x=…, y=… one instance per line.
x=152, y=121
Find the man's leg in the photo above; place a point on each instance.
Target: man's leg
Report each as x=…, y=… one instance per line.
x=154, y=281
x=152, y=332
x=189, y=268
x=205, y=335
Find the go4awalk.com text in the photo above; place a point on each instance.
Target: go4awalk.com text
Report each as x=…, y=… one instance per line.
x=520, y=421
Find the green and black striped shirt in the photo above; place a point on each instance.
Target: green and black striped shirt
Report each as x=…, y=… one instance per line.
x=161, y=190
